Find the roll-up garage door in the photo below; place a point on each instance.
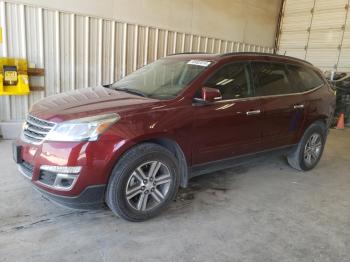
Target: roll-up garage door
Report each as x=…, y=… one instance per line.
x=318, y=31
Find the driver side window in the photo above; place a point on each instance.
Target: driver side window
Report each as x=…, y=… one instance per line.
x=233, y=81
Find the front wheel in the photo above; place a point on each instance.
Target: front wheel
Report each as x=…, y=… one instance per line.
x=143, y=183
x=310, y=148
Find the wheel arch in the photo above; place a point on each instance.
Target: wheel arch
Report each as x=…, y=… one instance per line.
x=168, y=143
x=174, y=148
x=322, y=121
x=294, y=155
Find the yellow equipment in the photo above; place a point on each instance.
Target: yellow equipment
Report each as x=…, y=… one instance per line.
x=13, y=76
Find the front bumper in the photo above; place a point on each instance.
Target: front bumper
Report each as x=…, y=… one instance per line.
x=96, y=160
x=90, y=198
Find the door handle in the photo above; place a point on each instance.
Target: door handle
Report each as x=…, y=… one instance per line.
x=253, y=112
x=298, y=106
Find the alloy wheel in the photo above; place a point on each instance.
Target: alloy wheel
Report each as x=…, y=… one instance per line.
x=148, y=186
x=313, y=149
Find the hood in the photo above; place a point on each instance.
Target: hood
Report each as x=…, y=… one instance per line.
x=87, y=102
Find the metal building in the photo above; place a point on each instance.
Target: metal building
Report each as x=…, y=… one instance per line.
x=318, y=31
x=79, y=51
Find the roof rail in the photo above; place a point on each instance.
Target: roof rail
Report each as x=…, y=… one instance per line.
x=264, y=54
x=245, y=53
x=190, y=53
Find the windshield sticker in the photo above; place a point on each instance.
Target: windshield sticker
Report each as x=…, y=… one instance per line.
x=199, y=63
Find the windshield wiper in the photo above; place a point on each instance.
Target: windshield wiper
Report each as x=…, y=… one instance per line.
x=131, y=91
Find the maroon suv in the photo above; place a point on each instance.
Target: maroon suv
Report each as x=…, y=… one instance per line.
x=131, y=144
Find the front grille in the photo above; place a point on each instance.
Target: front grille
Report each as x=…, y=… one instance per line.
x=26, y=169
x=35, y=129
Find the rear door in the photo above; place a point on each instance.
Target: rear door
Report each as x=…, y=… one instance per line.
x=307, y=81
x=282, y=104
x=229, y=127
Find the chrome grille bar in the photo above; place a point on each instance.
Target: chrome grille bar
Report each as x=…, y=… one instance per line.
x=36, y=129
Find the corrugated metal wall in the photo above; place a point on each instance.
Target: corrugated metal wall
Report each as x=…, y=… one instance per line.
x=79, y=51
x=318, y=31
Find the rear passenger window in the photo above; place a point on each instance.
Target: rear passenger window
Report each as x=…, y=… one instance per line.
x=305, y=78
x=233, y=81
x=272, y=79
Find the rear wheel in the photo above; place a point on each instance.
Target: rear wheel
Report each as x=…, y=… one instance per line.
x=313, y=149
x=143, y=183
x=310, y=148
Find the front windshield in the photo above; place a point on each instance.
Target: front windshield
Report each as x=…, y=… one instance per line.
x=163, y=79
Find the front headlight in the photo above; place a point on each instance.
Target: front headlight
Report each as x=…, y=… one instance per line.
x=82, y=129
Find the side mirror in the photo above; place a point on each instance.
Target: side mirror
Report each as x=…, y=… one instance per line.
x=211, y=94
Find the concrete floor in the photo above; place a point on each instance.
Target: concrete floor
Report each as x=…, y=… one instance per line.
x=263, y=211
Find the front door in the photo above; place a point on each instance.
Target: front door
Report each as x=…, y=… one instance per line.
x=231, y=126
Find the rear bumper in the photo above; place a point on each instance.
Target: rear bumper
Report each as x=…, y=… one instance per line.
x=91, y=197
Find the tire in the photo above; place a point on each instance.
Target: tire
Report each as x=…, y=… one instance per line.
x=135, y=165
x=298, y=158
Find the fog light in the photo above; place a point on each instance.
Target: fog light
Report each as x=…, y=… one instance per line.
x=62, y=169
x=59, y=177
x=64, y=181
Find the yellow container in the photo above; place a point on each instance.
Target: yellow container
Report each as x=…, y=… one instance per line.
x=13, y=76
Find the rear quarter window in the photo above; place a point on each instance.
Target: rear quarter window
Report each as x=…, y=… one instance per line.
x=305, y=79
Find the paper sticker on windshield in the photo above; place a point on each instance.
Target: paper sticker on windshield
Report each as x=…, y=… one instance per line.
x=199, y=63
